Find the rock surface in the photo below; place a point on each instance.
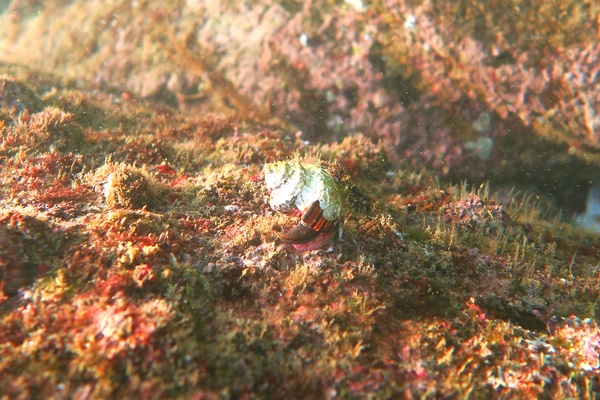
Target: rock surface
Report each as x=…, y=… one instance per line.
x=139, y=256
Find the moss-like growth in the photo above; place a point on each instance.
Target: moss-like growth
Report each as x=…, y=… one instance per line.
x=126, y=186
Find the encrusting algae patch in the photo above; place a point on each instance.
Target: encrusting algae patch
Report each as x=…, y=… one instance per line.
x=140, y=256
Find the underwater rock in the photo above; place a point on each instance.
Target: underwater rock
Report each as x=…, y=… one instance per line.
x=15, y=97
x=590, y=219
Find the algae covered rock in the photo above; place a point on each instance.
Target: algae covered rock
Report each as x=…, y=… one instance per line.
x=129, y=187
x=140, y=254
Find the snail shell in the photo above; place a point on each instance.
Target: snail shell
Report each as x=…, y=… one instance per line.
x=310, y=189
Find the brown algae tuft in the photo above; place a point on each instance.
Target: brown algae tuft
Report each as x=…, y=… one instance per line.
x=129, y=187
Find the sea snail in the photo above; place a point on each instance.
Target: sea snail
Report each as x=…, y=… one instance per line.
x=310, y=190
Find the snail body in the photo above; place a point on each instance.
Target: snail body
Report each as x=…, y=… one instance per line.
x=307, y=188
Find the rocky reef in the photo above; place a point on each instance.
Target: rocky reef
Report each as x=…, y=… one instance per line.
x=139, y=255
x=506, y=92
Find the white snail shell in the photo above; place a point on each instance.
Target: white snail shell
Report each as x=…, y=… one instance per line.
x=309, y=189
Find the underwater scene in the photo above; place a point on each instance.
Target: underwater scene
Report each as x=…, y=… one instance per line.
x=359, y=199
